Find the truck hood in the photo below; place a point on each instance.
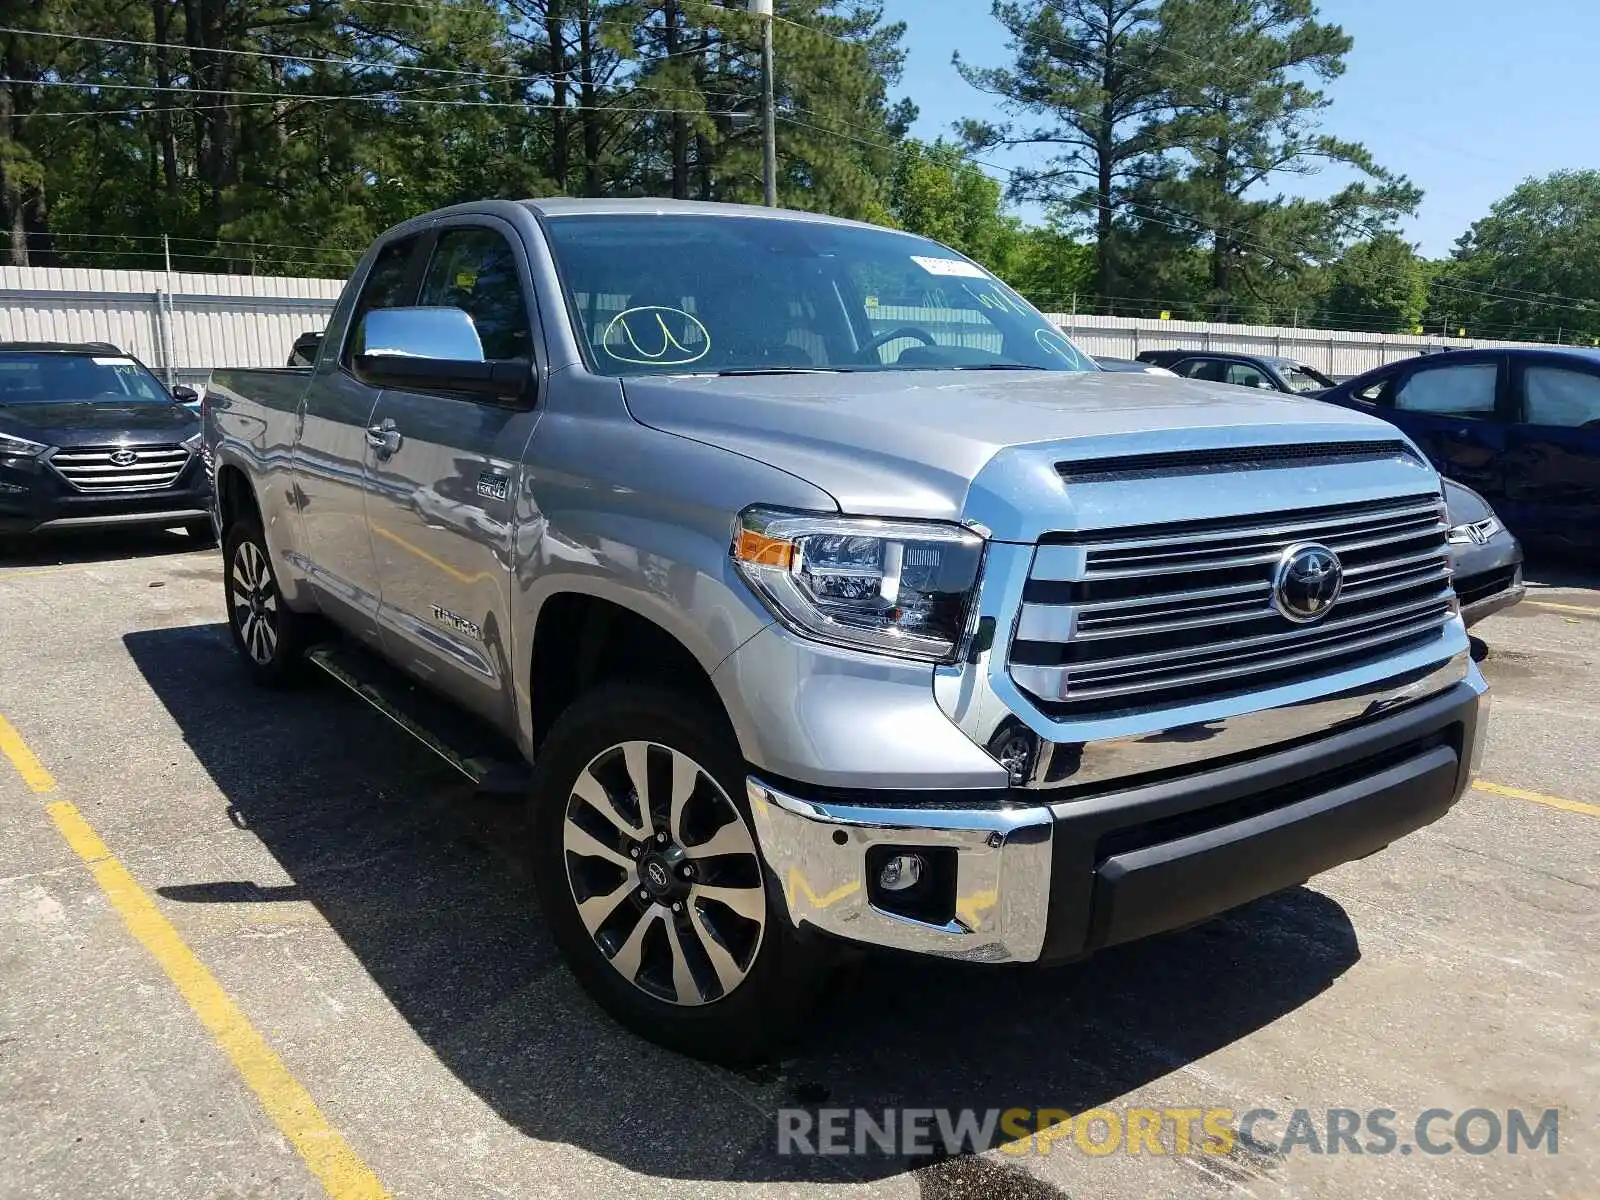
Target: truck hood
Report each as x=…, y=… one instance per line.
x=985, y=446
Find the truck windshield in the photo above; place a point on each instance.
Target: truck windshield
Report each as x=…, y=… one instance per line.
x=75, y=379
x=691, y=294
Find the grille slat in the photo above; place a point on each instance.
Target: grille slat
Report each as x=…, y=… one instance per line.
x=93, y=469
x=1239, y=609
x=1398, y=581
x=1203, y=616
x=1360, y=637
x=1202, y=558
x=1098, y=667
x=1299, y=529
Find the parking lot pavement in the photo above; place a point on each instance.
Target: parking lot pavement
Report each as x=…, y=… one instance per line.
x=297, y=872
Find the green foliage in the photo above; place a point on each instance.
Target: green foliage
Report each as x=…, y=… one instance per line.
x=1087, y=73
x=279, y=137
x=1531, y=268
x=1167, y=124
x=937, y=192
x=276, y=136
x=1240, y=76
x=1379, y=285
x=1053, y=269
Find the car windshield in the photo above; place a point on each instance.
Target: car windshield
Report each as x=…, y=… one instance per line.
x=1302, y=378
x=692, y=294
x=55, y=378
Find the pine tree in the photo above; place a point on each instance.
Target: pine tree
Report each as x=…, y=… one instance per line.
x=1087, y=72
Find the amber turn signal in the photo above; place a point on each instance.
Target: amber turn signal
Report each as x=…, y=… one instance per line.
x=759, y=550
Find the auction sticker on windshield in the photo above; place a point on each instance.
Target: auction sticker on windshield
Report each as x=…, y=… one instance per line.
x=949, y=266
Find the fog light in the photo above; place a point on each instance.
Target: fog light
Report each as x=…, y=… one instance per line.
x=901, y=872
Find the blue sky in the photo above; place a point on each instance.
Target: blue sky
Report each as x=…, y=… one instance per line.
x=1467, y=97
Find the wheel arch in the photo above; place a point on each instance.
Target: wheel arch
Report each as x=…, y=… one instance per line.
x=582, y=638
x=238, y=494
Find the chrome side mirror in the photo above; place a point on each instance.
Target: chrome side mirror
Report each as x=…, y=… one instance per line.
x=423, y=332
x=436, y=349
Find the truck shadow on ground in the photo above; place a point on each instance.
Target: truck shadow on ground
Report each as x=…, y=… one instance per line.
x=426, y=885
x=106, y=545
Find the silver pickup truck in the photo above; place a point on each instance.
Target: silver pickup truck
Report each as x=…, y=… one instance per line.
x=815, y=587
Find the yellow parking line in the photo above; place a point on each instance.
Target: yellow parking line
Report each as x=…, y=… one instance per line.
x=33, y=771
x=1577, y=806
x=293, y=1111
x=1583, y=608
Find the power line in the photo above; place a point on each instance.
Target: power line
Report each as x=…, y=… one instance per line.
x=355, y=63
x=159, y=237
x=1193, y=223
x=359, y=97
x=1571, y=302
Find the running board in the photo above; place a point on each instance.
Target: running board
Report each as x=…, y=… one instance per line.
x=466, y=743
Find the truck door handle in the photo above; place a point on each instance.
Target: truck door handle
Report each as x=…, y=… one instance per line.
x=384, y=437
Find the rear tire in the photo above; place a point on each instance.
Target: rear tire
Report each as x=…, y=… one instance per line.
x=270, y=637
x=648, y=870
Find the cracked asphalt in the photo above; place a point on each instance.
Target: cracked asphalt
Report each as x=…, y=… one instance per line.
x=372, y=922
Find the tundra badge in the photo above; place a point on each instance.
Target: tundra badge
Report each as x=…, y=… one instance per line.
x=492, y=485
x=457, y=622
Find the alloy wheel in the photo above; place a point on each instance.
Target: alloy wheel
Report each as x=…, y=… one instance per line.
x=255, y=601
x=664, y=872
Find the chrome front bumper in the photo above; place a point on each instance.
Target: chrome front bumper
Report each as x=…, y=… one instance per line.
x=1056, y=881
x=819, y=851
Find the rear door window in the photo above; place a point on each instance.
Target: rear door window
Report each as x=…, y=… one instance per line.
x=475, y=270
x=1465, y=391
x=1209, y=369
x=1244, y=375
x=1554, y=396
x=1303, y=379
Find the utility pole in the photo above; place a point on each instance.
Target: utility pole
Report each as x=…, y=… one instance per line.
x=762, y=11
x=164, y=313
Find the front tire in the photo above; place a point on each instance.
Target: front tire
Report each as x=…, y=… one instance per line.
x=649, y=873
x=270, y=637
x=201, y=533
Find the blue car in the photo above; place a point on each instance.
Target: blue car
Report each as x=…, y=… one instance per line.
x=1519, y=426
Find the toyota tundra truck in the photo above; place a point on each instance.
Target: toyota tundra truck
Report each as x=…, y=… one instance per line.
x=812, y=588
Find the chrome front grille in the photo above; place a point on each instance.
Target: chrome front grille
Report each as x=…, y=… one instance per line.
x=100, y=469
x=1147, y=618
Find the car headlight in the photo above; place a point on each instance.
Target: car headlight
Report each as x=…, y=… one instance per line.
x=20, y=447
x=895, y=587
x=193, y=443
x=1475, y=533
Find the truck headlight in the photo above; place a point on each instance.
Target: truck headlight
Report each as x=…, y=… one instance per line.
x=19, y=447
x=894, y=587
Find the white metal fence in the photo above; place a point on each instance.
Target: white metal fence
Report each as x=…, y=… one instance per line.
x=1331, y=351
x=183, y=321
x=190, y=322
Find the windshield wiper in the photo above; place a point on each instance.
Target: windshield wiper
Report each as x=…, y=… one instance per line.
x=780, y=371
x=992, y=367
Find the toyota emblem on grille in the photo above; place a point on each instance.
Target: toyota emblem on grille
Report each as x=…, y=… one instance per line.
x=124, y=458
x=1307, y=582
